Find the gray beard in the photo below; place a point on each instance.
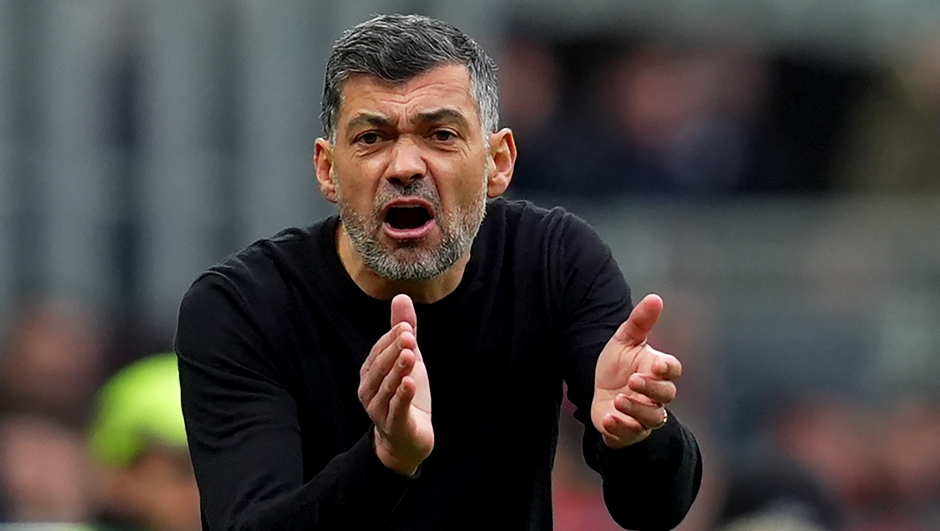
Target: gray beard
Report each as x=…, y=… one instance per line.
x=410, y=262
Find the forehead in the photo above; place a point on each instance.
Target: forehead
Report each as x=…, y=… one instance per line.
x=444, y=86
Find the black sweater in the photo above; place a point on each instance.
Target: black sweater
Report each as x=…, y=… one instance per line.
x=271, y=340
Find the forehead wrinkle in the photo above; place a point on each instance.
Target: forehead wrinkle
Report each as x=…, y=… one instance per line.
x=403, y=92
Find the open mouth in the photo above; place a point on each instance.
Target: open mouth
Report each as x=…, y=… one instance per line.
x=407, y=217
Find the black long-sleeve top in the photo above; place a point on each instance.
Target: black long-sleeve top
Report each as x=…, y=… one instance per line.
x=270, y=342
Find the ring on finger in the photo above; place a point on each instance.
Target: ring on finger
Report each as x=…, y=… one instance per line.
x=663, y=423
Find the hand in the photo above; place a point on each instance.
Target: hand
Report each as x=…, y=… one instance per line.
x=393, y=388
x=633, y=382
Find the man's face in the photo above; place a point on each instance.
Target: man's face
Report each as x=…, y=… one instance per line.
x=410, y=171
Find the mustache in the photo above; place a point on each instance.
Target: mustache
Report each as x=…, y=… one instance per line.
x=419, y=188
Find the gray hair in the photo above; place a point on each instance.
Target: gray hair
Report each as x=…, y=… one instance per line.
x=397, y=48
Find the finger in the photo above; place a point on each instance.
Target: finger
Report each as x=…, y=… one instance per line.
x=635, y=330
x=667, y=367
x=658, y=391
x=403, y=311
x=619, y=429
x=399, y=406
x=639, y=399
x=371, y=377
x=382, y=344
x=378, y=407
x=648, y=415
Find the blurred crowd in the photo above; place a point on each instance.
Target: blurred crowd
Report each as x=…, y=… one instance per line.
x=635, y=115
x=90, y=433
x=82, y=442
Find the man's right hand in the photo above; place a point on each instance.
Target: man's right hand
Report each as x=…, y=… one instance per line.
x=394, y=389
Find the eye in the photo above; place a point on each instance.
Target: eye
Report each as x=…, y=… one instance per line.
x=443, y=135
x=368, y=138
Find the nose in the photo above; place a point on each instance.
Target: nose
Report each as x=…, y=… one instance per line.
x=407, y=163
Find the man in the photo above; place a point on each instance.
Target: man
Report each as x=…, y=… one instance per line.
x=308, y=383
x=138, y=440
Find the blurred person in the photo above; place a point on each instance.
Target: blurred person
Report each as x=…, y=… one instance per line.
x=52, y=362
x=892, y=142
x=911, y=452
x=770, y=491
x=529, y=84
x=306, y=396
x=49, y=367
x=44, y=472
x=688, y=127
x=574, y=153
x=139, y=442
x=909, y=495
x=648, y=118
x=884, y=479
x=831, y=437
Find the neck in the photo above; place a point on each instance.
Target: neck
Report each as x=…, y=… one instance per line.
x=379, y=287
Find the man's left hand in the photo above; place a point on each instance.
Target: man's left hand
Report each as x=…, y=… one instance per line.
x=633, y=382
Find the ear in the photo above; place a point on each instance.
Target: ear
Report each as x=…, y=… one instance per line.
x=502, y=162
x=323, y=164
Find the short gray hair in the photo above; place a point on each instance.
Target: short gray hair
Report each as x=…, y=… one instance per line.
x=397, y=48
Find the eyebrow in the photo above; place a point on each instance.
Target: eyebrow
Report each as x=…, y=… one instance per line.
x=445, y=115
x=375, y=120
x=441, y=115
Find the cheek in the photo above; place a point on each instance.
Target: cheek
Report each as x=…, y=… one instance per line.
x=355, y=183
x=473, y=185
x=461, y=184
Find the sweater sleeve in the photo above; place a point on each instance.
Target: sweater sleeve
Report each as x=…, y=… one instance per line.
x=243, y=430
x=650, y=485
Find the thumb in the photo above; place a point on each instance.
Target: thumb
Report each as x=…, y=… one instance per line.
x=403, y=310
x=635, y=330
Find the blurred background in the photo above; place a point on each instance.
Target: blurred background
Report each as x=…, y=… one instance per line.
x=770, y=167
